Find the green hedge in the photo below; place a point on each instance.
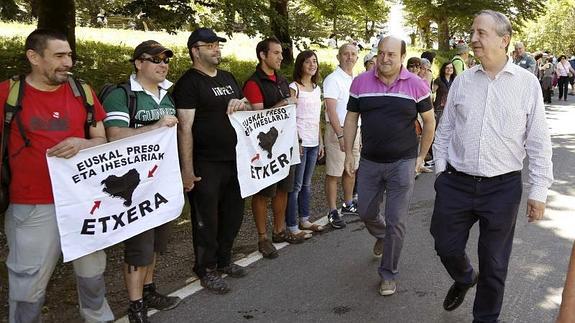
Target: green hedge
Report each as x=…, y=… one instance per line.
x=100, y=63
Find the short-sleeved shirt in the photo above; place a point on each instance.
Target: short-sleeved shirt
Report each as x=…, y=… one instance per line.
x=266, y=89
x=149, y=107
x=336, y=86
x=527, y=62
x=213, y=134
x=308, y=110
x=388, y=114
x=48, y=118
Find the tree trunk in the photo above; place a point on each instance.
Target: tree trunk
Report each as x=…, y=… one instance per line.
x=280, y=28
x=443, y=33
x=334, y=30
x=59, y=15
x=424, y=27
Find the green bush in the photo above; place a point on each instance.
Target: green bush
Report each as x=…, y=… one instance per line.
x=100, y=63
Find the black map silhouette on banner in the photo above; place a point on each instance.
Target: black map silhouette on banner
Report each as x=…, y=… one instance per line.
x=122, y=186
x=267, y=140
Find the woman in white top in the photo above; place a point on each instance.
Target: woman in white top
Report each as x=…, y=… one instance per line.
x=308, y=93
x=564, y=71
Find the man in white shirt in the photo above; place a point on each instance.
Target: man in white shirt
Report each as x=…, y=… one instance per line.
x=494, y=117
x=336, y=93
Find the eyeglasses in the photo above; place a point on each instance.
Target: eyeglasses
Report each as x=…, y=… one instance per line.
x=211, y=46
x=156, y=59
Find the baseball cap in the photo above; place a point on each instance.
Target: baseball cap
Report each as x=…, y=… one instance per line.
x=368, y=57
x=461, y=48
x=204, y=34
x=151, y=47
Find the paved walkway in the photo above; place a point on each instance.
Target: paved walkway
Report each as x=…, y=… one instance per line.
x=333, y=276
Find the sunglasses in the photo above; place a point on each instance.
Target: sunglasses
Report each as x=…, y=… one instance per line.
x=156, y=60
x=210, y=46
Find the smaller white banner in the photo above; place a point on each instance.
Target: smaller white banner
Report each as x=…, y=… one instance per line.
x=267, y=146
x=109, y=193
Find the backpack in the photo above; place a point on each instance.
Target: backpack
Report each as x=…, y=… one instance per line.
x=13, y=106
x=131, y=99
x=462, y=62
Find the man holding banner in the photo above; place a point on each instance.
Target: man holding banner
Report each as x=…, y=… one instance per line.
x=204, y=96
x=267, y=89
x=52, y=121
x=153, y=109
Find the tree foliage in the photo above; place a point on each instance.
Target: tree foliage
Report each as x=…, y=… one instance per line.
x=553, y=31
x=347, y=18
x=456, y=16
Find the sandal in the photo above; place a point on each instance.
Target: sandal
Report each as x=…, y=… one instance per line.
x=287, y=236
x=313, y=227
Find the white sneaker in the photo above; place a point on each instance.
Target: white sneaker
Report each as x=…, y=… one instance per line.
x=387, y=287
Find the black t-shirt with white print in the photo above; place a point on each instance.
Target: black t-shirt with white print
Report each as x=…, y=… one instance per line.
x=214, y=136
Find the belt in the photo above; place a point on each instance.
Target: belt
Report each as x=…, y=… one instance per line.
x=451, y=170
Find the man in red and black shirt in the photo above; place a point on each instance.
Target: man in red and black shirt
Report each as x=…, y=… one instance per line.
x=53, y=120
x=267, y=89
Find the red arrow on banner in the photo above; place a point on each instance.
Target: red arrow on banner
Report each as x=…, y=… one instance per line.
x=151, y=172
x=96, y=206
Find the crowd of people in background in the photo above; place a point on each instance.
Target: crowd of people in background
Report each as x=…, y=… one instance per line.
x=384, y=156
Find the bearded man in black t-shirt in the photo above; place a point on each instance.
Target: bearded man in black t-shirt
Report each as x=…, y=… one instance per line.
x=204, y=96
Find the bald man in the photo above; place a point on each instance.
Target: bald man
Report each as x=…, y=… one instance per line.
x=388, y=99
x=336, y=93
x=523, y=59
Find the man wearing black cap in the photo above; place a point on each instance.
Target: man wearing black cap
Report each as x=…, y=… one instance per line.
x=204, y=96
x=153, y=109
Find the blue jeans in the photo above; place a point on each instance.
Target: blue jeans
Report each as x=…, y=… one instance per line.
x=298, y=199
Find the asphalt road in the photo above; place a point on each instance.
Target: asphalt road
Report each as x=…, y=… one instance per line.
x=333, y=276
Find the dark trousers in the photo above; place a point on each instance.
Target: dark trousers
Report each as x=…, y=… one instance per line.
x=460, y=202
x=217, y=211
x=563, y=85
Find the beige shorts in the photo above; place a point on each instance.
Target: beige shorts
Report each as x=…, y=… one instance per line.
x=334, y=157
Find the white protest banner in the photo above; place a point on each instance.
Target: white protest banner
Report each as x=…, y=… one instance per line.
x=112, y=192
x=267, y=146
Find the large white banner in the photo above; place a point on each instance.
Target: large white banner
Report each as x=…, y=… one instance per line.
x=109, y=193
x=267, y=146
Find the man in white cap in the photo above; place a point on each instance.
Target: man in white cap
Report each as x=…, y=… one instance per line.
x=369, y=60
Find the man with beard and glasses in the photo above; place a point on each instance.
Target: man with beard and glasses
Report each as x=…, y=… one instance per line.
x=154, y=109
x=494, y=117
x=204, y=96
x=53, y=119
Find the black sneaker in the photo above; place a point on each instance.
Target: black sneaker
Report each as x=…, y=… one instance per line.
x=213, y=282
x=233, y=270
x=153, y=299
x=335, y=220
x=349, y=209
x=138, y=313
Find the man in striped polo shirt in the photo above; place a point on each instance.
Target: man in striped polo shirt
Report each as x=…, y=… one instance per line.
x=388, y=99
